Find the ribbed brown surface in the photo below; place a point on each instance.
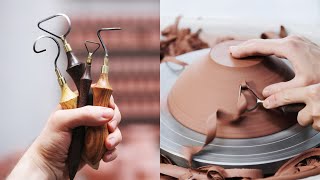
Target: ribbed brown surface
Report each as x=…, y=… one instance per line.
x=134, y=61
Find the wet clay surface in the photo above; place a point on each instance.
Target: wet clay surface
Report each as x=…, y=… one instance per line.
x=212, y=82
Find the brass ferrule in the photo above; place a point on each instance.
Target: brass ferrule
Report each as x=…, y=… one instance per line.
x=105, y=61
x=60, y=78
x=66, y=45
x=89, y=58
x=105, y=67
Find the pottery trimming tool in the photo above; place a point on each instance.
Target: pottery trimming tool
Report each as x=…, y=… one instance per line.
x=85, y=85
x=78, y=133
x=74, y=68
x=285, y=109
x=102, y=90
x=86, y=80
x=68, y=98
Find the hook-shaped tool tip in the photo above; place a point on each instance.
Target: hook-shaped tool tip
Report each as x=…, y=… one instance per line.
x=92, y=42
x=110, y=29
x=43, y=50
x=51, y=17
x=100, y=39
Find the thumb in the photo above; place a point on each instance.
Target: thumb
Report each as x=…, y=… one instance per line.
x=277, y=87
x=84, y=116
x=284, y=97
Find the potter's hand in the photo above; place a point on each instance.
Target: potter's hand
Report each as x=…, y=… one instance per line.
x=46, y=157
x=304, y=87
x=309, y=95
x=302, y=53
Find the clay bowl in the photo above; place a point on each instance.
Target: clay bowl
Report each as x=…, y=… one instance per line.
x=212, y=82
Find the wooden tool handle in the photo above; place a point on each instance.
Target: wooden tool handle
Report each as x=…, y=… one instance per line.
x=75, y=69
x=68, y=98
x=78, y=133
x=95, y=136
x=85, y=85
x=75, y=150
x=292, y=107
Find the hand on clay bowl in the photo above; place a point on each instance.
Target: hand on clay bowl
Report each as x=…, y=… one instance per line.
x=212, y=82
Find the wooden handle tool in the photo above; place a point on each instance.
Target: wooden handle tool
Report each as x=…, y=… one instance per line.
x=68, y=98
x=95, y=136
x=292, y=107
x=78, y=133
x=75, y=69
x=102, y=90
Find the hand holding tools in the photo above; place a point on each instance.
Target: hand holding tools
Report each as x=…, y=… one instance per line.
x=68, y=98
x=94, y=137
x=102, y=90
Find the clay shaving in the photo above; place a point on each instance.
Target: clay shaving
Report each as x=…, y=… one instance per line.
x=179, y=41
x=273, y=35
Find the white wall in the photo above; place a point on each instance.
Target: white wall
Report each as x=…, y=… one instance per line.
x=275, y=11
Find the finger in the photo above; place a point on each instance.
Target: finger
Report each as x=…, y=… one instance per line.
x=256, y=47
x=113, y=139
x=110, y=155
x=277, y=87
x=288, y=96
x=85, y=116
x=316, y=123
x=111, y=103
x=113, y=124
x=304, y=116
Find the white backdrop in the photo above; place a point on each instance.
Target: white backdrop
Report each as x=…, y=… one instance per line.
x=275, y=11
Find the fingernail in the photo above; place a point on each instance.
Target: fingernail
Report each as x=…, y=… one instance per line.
x=111, y=141
x=232, y=48
x=107, y=113
x=266, y=92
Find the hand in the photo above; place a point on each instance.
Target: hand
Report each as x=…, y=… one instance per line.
x=304, y=87
x=309, y=95
x=48, y=153
x=302, y=53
